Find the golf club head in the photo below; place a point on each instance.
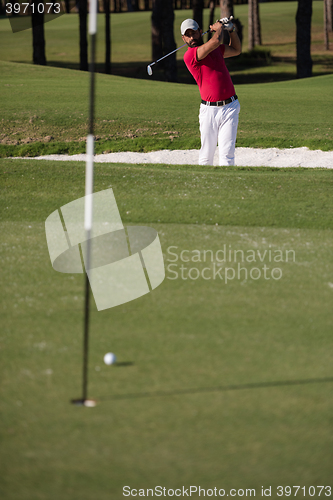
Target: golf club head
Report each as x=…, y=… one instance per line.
x=149, y=70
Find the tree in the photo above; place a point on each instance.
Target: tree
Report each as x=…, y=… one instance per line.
x=83, y=8
x=67, y=7
x=163, y=40
x=106, y=5
x=226, y=8
x=211, y=15
x=38, y=39
x=330, y=15
x=326, y=38
x=303, y=38
x=117, y=5
x=254, y=24
x=328, y=21
x=198, y=6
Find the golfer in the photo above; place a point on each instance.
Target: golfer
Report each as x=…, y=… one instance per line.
x=219, y=107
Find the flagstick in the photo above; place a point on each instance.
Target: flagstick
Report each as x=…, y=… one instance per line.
x=88, y=214
x=88, y=206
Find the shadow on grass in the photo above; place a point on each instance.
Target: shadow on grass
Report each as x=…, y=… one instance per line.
x=139, y=70
x=255, y=67
x=121, y=364
x=239, y=387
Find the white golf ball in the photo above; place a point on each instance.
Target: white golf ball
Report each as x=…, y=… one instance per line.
x=110, y=358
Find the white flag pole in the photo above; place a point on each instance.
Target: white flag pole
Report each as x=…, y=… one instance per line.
x=88, y=206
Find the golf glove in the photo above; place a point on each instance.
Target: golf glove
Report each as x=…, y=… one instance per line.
x=227, y=23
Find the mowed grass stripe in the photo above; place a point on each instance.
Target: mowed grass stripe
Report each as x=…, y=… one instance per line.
x=293, y=197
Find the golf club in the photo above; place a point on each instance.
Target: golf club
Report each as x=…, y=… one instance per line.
x=149, y=69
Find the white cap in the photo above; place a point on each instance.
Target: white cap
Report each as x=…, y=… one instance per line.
x=188, y=24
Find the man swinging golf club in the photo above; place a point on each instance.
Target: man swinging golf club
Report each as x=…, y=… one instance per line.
x=219, y=107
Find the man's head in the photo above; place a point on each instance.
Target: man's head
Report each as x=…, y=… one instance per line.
x=191, y=33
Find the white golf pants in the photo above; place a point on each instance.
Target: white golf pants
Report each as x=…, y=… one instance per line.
x=218, y=125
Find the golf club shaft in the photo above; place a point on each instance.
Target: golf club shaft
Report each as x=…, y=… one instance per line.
x=158, y=60
x=167, y=55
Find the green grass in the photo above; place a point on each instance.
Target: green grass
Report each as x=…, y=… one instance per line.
x=219, y=384
x=223, y=385
x=44, y=110
x=189, y=194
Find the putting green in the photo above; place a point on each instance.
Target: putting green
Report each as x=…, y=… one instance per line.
x=219, y=383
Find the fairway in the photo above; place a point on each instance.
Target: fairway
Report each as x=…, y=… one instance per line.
x=44, y=111
x=223, y=380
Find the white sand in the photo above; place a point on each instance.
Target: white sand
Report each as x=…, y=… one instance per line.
x=272, y=157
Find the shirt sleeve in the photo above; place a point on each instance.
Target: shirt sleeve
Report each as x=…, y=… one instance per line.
x=190, y=57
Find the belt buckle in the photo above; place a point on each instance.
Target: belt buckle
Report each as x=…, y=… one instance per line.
x=208, y=103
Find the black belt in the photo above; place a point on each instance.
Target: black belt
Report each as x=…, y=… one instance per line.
x=220, y=103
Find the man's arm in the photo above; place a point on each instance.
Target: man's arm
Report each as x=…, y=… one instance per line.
x=213, y=43
x=233, y=49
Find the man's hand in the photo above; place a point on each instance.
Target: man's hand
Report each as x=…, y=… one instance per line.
x=233, y=49
x=227, y=23
x=217, y=27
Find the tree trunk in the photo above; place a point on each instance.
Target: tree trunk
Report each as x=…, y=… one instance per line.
x=198, y=6
x=211, y=16
x=163, y=40
x=38, y=40
x=226, y=10
x=156, y=31
x=107, y=37
x=328, y=21
x=254, y=34
x=250, y=26
x=303, y=38
x=326, y=38
x=67, y=7
x=83, y=35
x=330, y=15
x=257, y=27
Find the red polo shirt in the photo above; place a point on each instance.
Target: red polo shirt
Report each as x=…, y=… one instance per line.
x=211, y=74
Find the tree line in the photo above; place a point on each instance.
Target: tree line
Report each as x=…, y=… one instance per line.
x=162, y=28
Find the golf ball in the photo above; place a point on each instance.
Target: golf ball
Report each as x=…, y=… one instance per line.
x=110, y=358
